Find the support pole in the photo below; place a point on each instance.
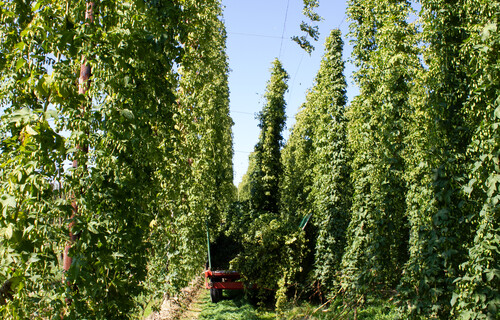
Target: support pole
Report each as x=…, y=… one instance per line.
x=208, y=246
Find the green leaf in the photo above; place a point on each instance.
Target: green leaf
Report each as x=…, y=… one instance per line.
x=493, y=307
x=37, y=6
x=127, y=114
x=492, y=273
x=33, y=258
x=487, y=30
x=8, y=231
x=51, y=114
x=20, y=63
x=20, y=46
x=7, y=201
x=454, y=299
x=117, y=255
x=29, y=129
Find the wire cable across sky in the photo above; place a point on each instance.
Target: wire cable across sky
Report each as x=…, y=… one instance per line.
x=284, y=26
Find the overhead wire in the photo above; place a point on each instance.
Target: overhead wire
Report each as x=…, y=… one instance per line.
x=243, y=112
x=341, y=22
x=256, y=35
x=300, y=62
x=279, y=56
x=295, y=76
x=284, y=26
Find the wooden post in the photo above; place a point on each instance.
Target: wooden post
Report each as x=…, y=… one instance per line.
x=83, y=86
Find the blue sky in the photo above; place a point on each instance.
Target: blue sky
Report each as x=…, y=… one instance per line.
x=255, y=30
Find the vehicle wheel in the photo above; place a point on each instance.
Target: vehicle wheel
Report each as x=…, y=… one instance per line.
x=215, y=295
x=219, y=294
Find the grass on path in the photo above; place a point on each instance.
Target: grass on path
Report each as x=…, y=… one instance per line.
x=234, y=306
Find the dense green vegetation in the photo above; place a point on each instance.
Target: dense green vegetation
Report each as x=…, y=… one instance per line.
x=387, y=207
x=152, y=145
x=401, y=185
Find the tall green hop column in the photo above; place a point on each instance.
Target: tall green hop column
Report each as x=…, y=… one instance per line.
x=296, y=178
x=265, y=178
x=331, y=188
x=204, y=144
x=377, y=234
x=266, y=235
x=315, y=179
x=477, y=292
x=438, y=135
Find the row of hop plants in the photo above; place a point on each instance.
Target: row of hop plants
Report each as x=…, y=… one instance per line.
x=400, y=186
x=151, y=148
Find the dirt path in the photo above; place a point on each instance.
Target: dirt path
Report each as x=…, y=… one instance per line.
x=193, y=310
x=186, y=306
x=194, y=303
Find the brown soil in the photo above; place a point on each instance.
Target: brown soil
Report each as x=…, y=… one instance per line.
x=184, y=306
